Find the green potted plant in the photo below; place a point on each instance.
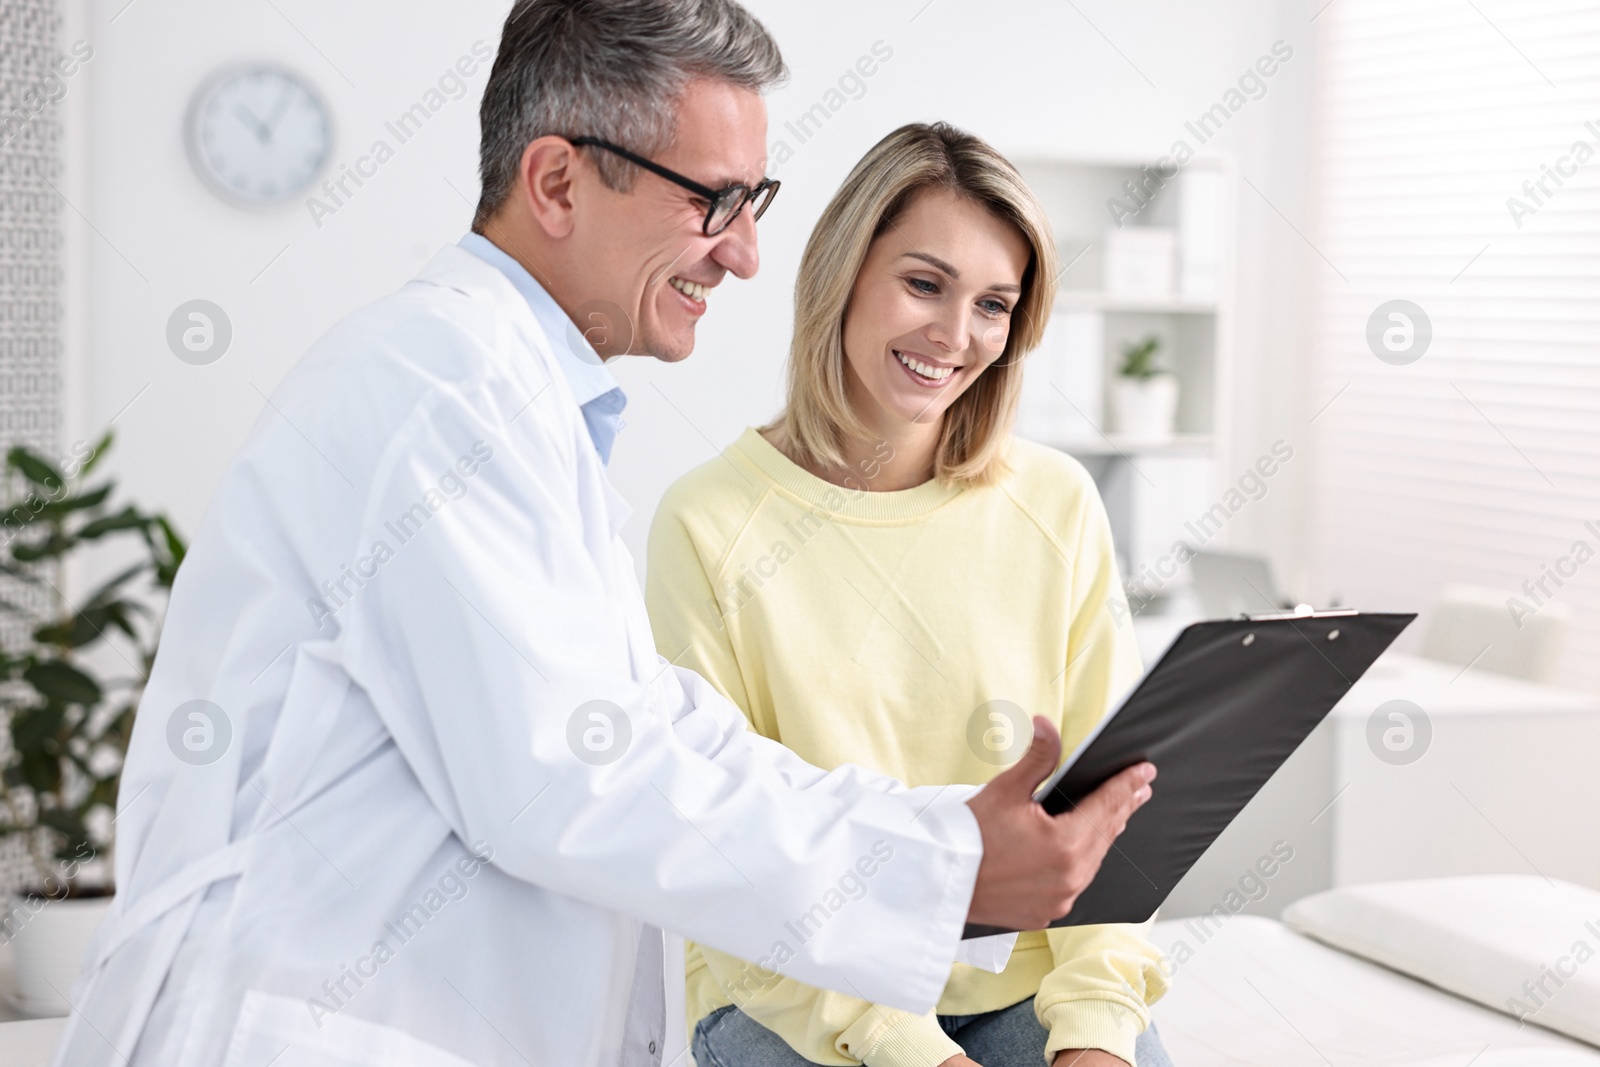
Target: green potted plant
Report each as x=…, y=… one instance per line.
x=1144, y=397
x=67, y=719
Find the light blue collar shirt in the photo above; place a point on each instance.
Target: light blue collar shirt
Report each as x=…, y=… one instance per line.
x=599, y=396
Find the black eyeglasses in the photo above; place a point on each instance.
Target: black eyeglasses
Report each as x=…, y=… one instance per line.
x=724, y=204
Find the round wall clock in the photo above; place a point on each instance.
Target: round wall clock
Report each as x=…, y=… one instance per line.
x=259, y=135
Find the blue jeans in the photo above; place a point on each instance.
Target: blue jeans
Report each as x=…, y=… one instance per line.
x=1010, y=1037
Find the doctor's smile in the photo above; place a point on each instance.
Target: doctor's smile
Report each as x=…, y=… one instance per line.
x=694, y=293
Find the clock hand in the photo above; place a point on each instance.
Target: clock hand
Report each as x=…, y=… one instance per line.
x=244, y=115
x=277, y=112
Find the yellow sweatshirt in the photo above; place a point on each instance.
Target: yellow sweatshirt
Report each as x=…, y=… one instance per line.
x=913, y=632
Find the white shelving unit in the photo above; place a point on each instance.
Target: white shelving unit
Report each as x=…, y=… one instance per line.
x=1153, y=489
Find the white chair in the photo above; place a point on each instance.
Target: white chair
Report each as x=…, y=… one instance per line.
x=1471, y=624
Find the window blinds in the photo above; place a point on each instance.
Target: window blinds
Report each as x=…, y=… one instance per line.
x=1458, y=169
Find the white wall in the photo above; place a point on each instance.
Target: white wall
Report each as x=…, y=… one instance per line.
x=158, y=238
x=1033, y=76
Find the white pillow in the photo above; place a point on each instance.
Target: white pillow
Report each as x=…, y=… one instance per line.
x=1516, y=943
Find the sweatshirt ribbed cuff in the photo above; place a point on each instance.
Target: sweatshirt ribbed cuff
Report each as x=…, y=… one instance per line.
x=1092, y=1023
x=911, y=1041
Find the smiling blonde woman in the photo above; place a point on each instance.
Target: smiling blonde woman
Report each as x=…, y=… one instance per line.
x=886, y=576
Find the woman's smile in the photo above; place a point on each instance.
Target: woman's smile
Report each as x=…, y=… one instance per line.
x=925, y=374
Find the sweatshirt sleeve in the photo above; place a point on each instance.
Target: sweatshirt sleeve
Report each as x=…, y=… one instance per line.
x=1099, y=993
x=1105, y=976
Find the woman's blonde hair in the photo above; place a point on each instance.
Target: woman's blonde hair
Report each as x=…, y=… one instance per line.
x=817, y=418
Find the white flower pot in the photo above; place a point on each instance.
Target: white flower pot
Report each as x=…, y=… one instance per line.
x=1146, y=409
x=48, y=939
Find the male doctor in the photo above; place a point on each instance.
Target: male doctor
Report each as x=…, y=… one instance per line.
x=410, y=784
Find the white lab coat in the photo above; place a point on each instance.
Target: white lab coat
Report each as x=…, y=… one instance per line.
x=408, y=582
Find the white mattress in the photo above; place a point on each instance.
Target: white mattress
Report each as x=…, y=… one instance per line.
x=1256, y=992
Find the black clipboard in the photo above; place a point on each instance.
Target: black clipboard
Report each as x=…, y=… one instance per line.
x=1226, y=705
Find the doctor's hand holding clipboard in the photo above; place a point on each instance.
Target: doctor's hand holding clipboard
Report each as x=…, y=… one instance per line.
x=1229, y=701
x=1042, y=862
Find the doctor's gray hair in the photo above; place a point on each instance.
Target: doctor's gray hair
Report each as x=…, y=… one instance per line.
x=613, y=69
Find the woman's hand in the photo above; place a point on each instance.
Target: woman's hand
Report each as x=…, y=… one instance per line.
x=1087, y=1057
x=962, y=1061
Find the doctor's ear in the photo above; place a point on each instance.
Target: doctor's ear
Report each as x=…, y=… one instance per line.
x=549, y=170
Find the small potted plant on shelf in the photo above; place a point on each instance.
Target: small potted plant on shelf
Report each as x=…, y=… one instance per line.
x=66, y=722
x=1144, y=397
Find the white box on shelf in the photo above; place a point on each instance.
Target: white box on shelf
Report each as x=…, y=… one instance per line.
x=1199, y=231
x=1064, y=380
x=1140, y=260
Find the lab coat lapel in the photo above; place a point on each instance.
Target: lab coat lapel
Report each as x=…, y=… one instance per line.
x=617, y=509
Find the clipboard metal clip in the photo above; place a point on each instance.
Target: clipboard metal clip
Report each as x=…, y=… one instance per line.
x=1301, y=611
